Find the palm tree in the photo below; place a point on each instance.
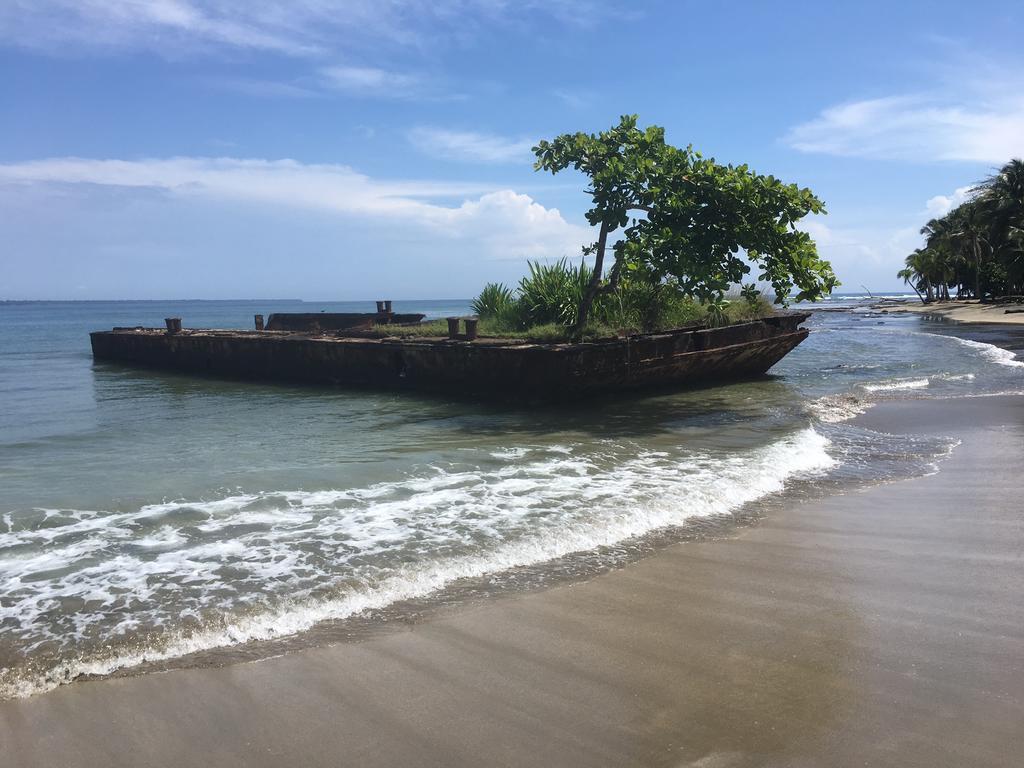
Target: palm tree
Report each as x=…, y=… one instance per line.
x=979, y=245
x=922, y=269
x=1002, y=198
x=970, y=225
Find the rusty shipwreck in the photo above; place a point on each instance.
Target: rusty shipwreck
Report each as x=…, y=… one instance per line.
x=350, y=351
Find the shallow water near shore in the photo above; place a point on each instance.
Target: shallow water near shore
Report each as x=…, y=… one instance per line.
x=147, y=516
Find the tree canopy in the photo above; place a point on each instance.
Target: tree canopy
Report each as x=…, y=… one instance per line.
x=676, y=214
x=978, y=247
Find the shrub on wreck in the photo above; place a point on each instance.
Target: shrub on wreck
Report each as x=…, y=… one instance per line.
x=549, y=296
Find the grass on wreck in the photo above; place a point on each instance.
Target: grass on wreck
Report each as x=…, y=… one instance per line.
x=545, y=304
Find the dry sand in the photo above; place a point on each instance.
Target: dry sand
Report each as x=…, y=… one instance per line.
x=880, y=628
x=962, y=311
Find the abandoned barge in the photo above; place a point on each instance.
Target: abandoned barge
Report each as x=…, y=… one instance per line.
x=348, y=351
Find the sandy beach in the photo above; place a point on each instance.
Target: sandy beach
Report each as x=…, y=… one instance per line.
x=961, y=311
x=883, y=627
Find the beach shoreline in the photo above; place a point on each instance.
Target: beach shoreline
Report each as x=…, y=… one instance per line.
x=960, y=311
x=875, y=627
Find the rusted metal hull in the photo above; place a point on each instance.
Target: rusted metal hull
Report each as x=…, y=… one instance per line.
x=485, y=368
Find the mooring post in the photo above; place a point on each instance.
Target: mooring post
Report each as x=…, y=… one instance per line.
x=387, y=306
x=453, y=327
x=259, y=322
x=380, y=307
x=173, y=324
x=471, y=324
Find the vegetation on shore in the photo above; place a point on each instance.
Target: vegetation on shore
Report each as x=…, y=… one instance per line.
x=977, y=249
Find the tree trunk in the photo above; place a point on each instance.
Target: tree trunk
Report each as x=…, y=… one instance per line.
x=592, y=287
x=977, y=268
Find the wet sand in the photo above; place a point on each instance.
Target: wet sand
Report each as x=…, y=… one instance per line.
x=969, y=311
x=884, y=627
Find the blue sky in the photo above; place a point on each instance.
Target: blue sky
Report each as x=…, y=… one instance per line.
x=323, y=149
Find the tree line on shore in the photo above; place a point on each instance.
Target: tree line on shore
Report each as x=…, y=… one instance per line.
x=977, y=249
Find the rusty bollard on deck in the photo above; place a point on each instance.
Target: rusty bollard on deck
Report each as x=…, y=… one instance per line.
x=173, y=324
x=471, y=327
x=259, y=322
x=380, y=307
x=453, y=327
x=387, y=306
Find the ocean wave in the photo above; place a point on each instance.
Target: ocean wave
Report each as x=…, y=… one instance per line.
x=991, y=352
x=377, y=545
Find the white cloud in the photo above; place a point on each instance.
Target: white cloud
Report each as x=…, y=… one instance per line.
x=506, y=224
x=369, y=79
x=514, y=226
x=384, y=84
x=940, y=205
x=963, y=119
x=471, y=146
x=163, y=25
x=863, y=255
x=871, y=254
x=293, y=27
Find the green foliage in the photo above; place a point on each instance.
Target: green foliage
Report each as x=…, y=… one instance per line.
x=551, y=293
x=544, y=305
x=978, y=247
x=635, y=304
x=686, y=218
x=493, y=301
x=717, y=313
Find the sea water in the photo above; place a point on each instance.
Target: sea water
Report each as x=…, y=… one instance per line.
x=151, y=518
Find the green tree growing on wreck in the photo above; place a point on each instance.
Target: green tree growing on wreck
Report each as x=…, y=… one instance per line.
x=673, y=214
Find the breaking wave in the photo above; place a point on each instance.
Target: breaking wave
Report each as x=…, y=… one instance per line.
x=167, y=580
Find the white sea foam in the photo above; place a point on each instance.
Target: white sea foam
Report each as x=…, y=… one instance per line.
x=991, y=352
x=896, y=385
x=833, y=409
x=328, y=554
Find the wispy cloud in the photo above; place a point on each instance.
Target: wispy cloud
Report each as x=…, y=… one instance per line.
x=292, y=27
x=374, y=82
x=964, y=118
x=470, y=145
x=363, y=82
x=163, y=25
x=507, y=224
x=574, y=98
x=269, y=89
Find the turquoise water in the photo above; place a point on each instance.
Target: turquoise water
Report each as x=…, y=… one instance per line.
x=146, y=516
